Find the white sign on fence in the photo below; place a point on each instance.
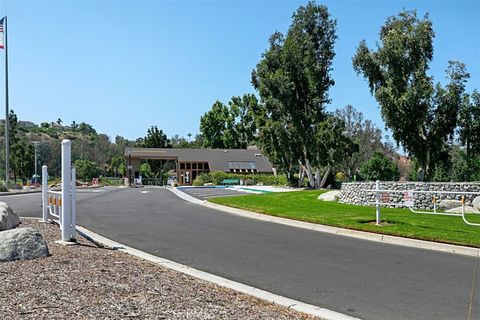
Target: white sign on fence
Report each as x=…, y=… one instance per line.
x=408, y=198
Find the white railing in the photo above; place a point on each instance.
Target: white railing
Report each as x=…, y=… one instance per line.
x=409, y=201
x=62, y=204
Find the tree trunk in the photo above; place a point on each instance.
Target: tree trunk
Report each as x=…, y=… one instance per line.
x=317, y=178
x=308, y=171
x=325, y=177
x=301, y=176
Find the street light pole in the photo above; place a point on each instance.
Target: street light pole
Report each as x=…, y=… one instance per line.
x=35, y=145
x=129, y=168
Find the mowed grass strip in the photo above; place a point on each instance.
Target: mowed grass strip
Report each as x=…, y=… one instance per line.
x=304, y=206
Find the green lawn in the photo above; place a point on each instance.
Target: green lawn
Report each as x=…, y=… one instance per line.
x=303, y=205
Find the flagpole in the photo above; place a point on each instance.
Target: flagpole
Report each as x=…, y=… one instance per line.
x=7, y=147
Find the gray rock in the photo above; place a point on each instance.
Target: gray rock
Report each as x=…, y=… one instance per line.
x=8, y=218
x=468, y=209
x=329, y=196
x=449, y=204
x=22, y=244
x=476, y=203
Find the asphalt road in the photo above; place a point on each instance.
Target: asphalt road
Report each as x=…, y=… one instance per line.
x=361, y=278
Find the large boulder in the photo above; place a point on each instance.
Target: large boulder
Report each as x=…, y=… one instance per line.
x=449, y=204
x=329, y=196
x=476, y=203
x=468, y=209
x=22, y=244
x=8, y=218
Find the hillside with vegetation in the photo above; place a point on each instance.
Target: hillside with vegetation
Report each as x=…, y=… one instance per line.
x=93, y=154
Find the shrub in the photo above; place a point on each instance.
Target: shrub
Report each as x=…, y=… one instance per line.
x=202, y=179
x=379, y=167
x=440, y=174
x=260, y=178
x=86, y=170
x=3, y=187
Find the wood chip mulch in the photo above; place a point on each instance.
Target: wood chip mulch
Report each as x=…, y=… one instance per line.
x=85, y=281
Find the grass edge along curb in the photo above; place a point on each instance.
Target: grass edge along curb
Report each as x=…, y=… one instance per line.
x=304, y=206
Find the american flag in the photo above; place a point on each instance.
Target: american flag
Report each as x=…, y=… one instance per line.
x=1, y=33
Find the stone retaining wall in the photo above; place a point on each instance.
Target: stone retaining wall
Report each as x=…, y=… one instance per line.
x=356, y=192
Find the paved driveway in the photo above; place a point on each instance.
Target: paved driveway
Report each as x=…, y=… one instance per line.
x=365, y=279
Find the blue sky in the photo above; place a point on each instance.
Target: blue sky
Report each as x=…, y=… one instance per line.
x=124, y=66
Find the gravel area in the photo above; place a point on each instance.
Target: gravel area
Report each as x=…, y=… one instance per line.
x=89, y=282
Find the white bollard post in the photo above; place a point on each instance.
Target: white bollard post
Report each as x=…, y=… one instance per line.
x=44, y=194
x=66, y=211
x=74, y=202
x=377, y=202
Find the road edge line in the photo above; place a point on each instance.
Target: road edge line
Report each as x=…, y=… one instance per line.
x=223, y=282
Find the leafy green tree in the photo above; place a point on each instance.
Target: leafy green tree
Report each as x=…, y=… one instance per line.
x=379, y=167
x=122, y=169
x=21, y=152
x=243, y=110
x=213, y=126
x=421, y=116
x=45, y=125
x=232, y=126
x=469, y=129
x=365, y=134
x=197, y=143
x=115, y=162
x=145, y=170
x=74, y=126
x=293, y=79
x=180, y=142
x=87, y=170
x=333, y=145
x=102, y=150
x=86, y=128
x=155, y=138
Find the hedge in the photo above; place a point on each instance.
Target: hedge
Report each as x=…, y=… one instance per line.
x=217, y=177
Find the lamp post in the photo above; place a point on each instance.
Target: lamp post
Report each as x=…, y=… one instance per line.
x=35, y=145
x=129, y=168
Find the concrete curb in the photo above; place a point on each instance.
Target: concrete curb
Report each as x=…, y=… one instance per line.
x=185, y=196
x=406, y=242
x=255, y=292
x=377, y=237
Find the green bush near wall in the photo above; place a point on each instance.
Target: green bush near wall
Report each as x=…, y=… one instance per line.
x=3, y=186
x=217, y=177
